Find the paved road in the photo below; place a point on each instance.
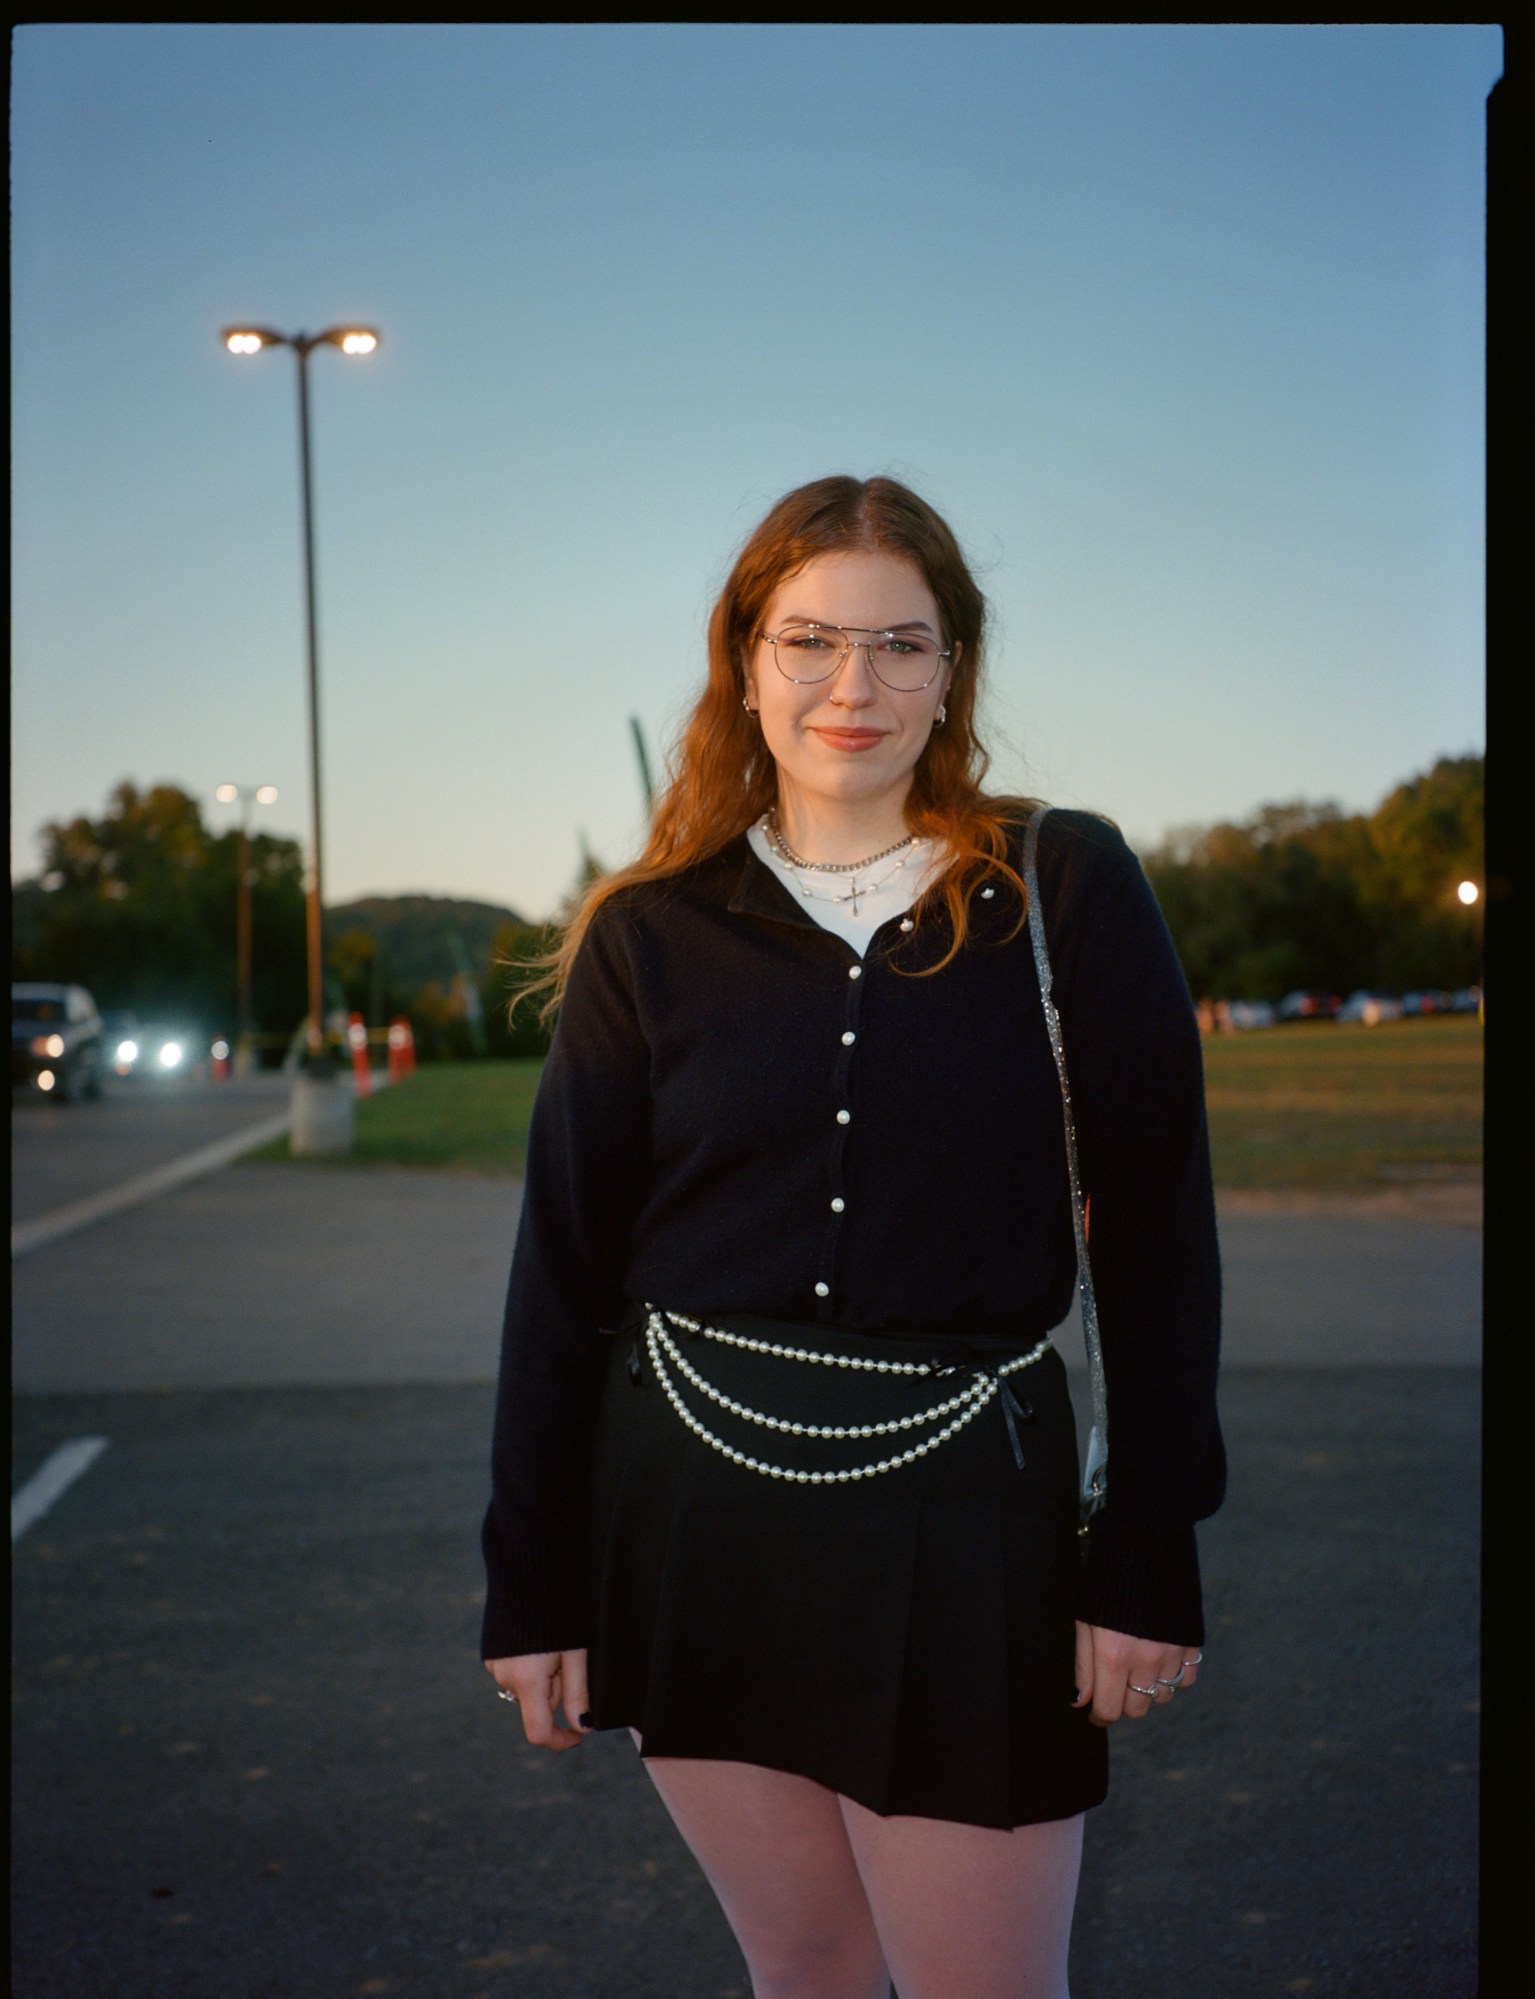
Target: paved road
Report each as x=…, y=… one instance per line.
x=254, y=1753
x=63, y=1152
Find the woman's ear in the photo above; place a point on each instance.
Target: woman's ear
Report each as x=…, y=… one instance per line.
x=955, y=654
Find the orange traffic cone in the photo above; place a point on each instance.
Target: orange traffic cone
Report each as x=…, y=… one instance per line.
x=357, y=1041
x=402, y=1050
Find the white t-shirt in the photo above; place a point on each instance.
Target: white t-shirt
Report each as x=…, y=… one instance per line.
x=890, y=887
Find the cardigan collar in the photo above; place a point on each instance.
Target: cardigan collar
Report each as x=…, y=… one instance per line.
x=759, y=892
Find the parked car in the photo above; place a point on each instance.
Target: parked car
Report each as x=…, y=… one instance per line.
x=1370, y=1008
x=56, y=1041
x=1467, y=1000
x=1234, y=1016
x=1309, y=1006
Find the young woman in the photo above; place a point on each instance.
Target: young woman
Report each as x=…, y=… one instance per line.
x=784, y=1471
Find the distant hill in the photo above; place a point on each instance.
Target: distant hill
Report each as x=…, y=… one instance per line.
x=424, y=937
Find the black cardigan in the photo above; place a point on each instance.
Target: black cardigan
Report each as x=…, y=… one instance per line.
x=737, y=1110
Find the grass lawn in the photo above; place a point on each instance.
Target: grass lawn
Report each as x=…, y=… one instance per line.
x=1317, y=1106
x=1307, y=1107
x=466, y=1117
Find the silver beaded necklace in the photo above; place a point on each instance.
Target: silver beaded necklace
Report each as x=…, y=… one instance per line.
x=796, y=863
x=775, y=834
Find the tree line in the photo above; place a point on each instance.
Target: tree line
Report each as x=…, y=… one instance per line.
x=139, y=903
x=139, y=906
x=1306, y=897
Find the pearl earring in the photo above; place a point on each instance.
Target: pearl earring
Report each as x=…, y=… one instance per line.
x=941, y=717
x=747, y=706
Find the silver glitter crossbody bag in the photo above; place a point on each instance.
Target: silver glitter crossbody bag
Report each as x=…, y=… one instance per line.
x=1095, y=1473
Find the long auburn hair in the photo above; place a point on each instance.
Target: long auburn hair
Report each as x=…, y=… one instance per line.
x=721, y=775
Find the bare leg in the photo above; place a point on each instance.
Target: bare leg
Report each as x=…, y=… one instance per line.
x=776, y=1853
x=966, y=1909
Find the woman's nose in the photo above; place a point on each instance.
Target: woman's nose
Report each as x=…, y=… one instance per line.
x=855, y=684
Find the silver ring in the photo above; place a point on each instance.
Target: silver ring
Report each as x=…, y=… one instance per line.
x=1174, y=1680
x=503, y=1695
x=1150, y=1693
x=1197, y=1660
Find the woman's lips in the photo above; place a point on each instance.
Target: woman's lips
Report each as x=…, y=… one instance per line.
x=850, y=739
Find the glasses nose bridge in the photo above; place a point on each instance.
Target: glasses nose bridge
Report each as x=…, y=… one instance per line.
x=850, y=645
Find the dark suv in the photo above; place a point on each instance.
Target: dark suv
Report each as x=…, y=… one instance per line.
x=56, y=1041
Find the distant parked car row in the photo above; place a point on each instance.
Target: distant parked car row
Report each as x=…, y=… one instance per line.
x=63, y=1048
x=1369, y=1008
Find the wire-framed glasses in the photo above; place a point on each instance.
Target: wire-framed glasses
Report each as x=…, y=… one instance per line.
x=904, y=661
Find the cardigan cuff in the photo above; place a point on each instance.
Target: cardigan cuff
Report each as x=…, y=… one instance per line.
x=530, y=1606
x=1143, y=1580
x=509, y=1629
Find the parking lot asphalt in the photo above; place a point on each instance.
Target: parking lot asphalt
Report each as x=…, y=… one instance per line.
x=254, y=1753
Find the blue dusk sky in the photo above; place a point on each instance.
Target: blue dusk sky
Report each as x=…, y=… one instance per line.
x=1180, y=327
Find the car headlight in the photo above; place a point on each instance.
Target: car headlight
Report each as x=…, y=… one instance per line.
x=49, y=1044
x=127, y=1051
x=170, y=1054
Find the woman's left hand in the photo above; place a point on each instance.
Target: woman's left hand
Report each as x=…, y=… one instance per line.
x=1123, y=1677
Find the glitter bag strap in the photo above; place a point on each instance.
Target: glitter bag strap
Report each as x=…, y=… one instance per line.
x=1095, y=1474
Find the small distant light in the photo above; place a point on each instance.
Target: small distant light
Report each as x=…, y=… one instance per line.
x=244, y=343
x=359, y=343
x=170, y=1055
x=266, y=794
x=52, y=880
x=227, y=794
x=54, y=1046
x=220, y=1051
x=45, y=1079
x=127, y=1051
x=1468, y=893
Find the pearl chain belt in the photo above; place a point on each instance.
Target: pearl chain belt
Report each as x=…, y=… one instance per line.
x=667, y=1359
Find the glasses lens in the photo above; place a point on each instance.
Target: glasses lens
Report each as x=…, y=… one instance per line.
x=808, y=652
x=904, y=661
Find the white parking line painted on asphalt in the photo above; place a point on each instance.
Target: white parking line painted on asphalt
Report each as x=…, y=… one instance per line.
x=53, y=1477
x=64, y=1221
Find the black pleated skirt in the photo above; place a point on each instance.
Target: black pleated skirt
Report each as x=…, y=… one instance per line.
x=906, y=1638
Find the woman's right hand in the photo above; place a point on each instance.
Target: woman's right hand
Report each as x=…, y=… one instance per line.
x=540, y=1682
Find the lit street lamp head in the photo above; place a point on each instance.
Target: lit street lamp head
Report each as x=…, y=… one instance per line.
x=251, y=339
x=264, y=794
x=351, y=340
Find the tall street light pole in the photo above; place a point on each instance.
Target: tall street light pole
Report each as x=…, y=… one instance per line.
x=350, y=340
x=245, y=795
